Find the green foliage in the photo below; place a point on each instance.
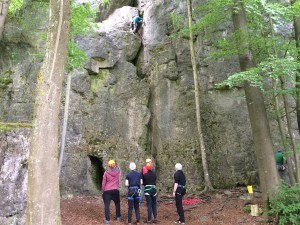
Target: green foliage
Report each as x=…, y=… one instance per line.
x=5, y=80
x=212, y=13
x=271, y=68
x=82, y=17
x=286, y=204
x=105, y=2
x=253, y=76
x=178, y=22
x=76, y=57
x=15, y=6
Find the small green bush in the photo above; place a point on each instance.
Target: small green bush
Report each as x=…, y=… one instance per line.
x=286, y=205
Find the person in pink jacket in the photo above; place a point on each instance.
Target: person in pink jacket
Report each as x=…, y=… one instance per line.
x=110, y=189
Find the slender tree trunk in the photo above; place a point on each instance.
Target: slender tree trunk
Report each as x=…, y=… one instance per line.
x=282, y=134
x=279, y=120
x=4, y=5
x=65, y=124
x=208, y=184
x=43, y=205
x=291, y=134
x=297, y=38
x=257, y=113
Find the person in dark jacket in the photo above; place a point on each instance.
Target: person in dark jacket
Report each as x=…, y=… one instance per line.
x=143, y=171
x=149, y=181
x=110, y=190
x=179, y=191
x=133, y=181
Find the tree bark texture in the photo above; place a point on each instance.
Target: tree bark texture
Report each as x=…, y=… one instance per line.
x=197, y=100
x=257, y=113
x=4, y=5
x=297, y=39
x=43, y=204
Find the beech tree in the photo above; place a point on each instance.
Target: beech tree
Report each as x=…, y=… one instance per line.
x=43, y=203
x=268, y=176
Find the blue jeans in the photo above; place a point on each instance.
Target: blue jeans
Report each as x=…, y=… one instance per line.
x=107, y=197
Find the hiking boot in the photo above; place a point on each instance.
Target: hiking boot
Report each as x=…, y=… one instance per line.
x=147, y=222
x=155, y=220
x=179, y=222
x=106, y=221
x=118, y=219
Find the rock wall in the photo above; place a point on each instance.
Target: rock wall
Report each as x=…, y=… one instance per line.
x=134, y=100
x=13, y=175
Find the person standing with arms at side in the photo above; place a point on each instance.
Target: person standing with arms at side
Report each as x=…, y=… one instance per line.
x=149, y=181
x=179, y=191
x=110, y=189
x=143, y=171
x=133, y=182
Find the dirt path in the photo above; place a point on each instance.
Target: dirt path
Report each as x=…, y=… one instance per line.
x=219, y=208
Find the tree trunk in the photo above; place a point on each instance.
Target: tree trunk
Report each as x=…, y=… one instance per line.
x=297, y=38
x=290, y=131
x=279, y=120
x=257, y=113
x=282, y=134
x=208, y=184
x=4, y=5
x=43, y=205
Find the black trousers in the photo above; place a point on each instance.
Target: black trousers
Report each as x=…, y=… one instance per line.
x=107, y=197
x=151, y=198
x=133, y=202
x=180, y=192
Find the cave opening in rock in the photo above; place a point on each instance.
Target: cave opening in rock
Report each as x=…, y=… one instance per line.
x=96, y=171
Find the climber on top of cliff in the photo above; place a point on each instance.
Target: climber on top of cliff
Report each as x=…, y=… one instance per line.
x=136, y=24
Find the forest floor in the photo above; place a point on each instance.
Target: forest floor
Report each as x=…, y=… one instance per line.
x=222, y=207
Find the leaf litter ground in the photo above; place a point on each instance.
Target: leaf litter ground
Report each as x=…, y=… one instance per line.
x=222, y=207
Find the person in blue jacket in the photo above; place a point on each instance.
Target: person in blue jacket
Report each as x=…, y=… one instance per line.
x=135, y=25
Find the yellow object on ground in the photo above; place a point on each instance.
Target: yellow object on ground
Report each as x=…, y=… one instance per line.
x=250, y=189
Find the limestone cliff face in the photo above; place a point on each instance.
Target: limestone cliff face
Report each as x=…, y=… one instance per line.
x=134, y=100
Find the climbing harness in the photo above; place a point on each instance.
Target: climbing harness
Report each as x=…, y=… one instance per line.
x=134, y=190
x=182, y=186
x=149, y=187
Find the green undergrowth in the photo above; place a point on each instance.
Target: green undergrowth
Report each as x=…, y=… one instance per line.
x=286, y=205
x=5, y=81
x=12, y=126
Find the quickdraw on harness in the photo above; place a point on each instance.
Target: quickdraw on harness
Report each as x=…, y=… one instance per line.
x=133, y=191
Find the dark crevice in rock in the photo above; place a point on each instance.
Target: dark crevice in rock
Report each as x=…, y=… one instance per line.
x=96, y=171
x=135, y=61
x=11, y=215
